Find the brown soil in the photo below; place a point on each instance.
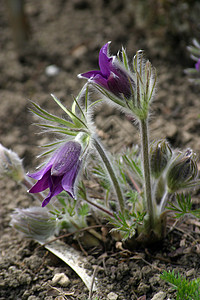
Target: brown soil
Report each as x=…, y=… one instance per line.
x=69, y=35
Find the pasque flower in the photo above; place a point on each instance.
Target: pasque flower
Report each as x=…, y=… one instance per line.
x=59, y=173
x=112, y=76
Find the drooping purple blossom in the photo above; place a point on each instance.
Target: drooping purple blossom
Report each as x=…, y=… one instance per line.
x=59, y=173
x=197, y=65
x=111, y=75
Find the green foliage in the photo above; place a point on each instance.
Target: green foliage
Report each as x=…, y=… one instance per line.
x=101, y=174
x=132, y=197
x=183, y=206
x=131, y=160
x=187, y=290
x=125, y=224
x=84, y=210
x=68, y=207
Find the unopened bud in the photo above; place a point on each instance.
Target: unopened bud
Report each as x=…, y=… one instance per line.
x=160, y=155
x=10, y=164
x=182, y=172
x=34, y=222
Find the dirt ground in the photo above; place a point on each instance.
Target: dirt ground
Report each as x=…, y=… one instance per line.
x=69, y=34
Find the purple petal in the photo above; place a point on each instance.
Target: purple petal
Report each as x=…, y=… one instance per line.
x=90, y=74
x=66, y=158
x=105, y=61
x=118, y=83
x=96, y=76
x=69, y=179
x=39, y=174
x=104, y=64
x=101, y=81
x=42, y=184
x=197, y=65
x=57, y=190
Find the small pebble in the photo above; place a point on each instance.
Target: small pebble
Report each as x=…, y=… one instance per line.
x=112, y=296
x=159, y=296
x=52, y=70
x=33, y=298
x=61, y=279
x=190, y=272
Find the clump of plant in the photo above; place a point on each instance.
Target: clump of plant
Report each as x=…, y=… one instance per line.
x=142, y=184
x=185, y=289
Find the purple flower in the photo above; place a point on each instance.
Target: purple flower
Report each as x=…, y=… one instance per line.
x=197, y=65
x=111, y=75
x=59, y=173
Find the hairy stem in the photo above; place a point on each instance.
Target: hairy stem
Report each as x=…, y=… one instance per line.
x=100, y=208
x=111, y=172
x=146, y=170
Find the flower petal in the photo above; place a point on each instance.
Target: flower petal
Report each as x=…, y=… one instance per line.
x=55, y=188
x=39, y=174
x=90, y=74
x=197, y=65
x=58, y=189
x=105, y=61
x=70, y=178
x=66, y=158
x=99, y=79
x=104, y=49
x=118, y=83
x=42, y=184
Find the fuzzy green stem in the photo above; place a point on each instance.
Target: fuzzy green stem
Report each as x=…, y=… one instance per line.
x=111, y=172
x=146, y=170
x=100, y=207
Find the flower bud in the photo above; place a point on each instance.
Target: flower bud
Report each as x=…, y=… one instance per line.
x=34, y=222
x=11, y=164
x=182, y=172
x=160, y=155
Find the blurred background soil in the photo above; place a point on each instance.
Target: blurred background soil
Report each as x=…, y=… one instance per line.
x=68, y=34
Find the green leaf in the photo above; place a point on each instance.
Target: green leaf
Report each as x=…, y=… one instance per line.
x=94, y=103
x=84, y=210
x=59, y=129
x=109, y=95
x=47, y=152
x=77, y=121
x=80, y=109
x=183, y=206
x=125, y=59
x=53, y=144
x=133, y=165
x=194, y=50
x=187, y=290
x=47, y=116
